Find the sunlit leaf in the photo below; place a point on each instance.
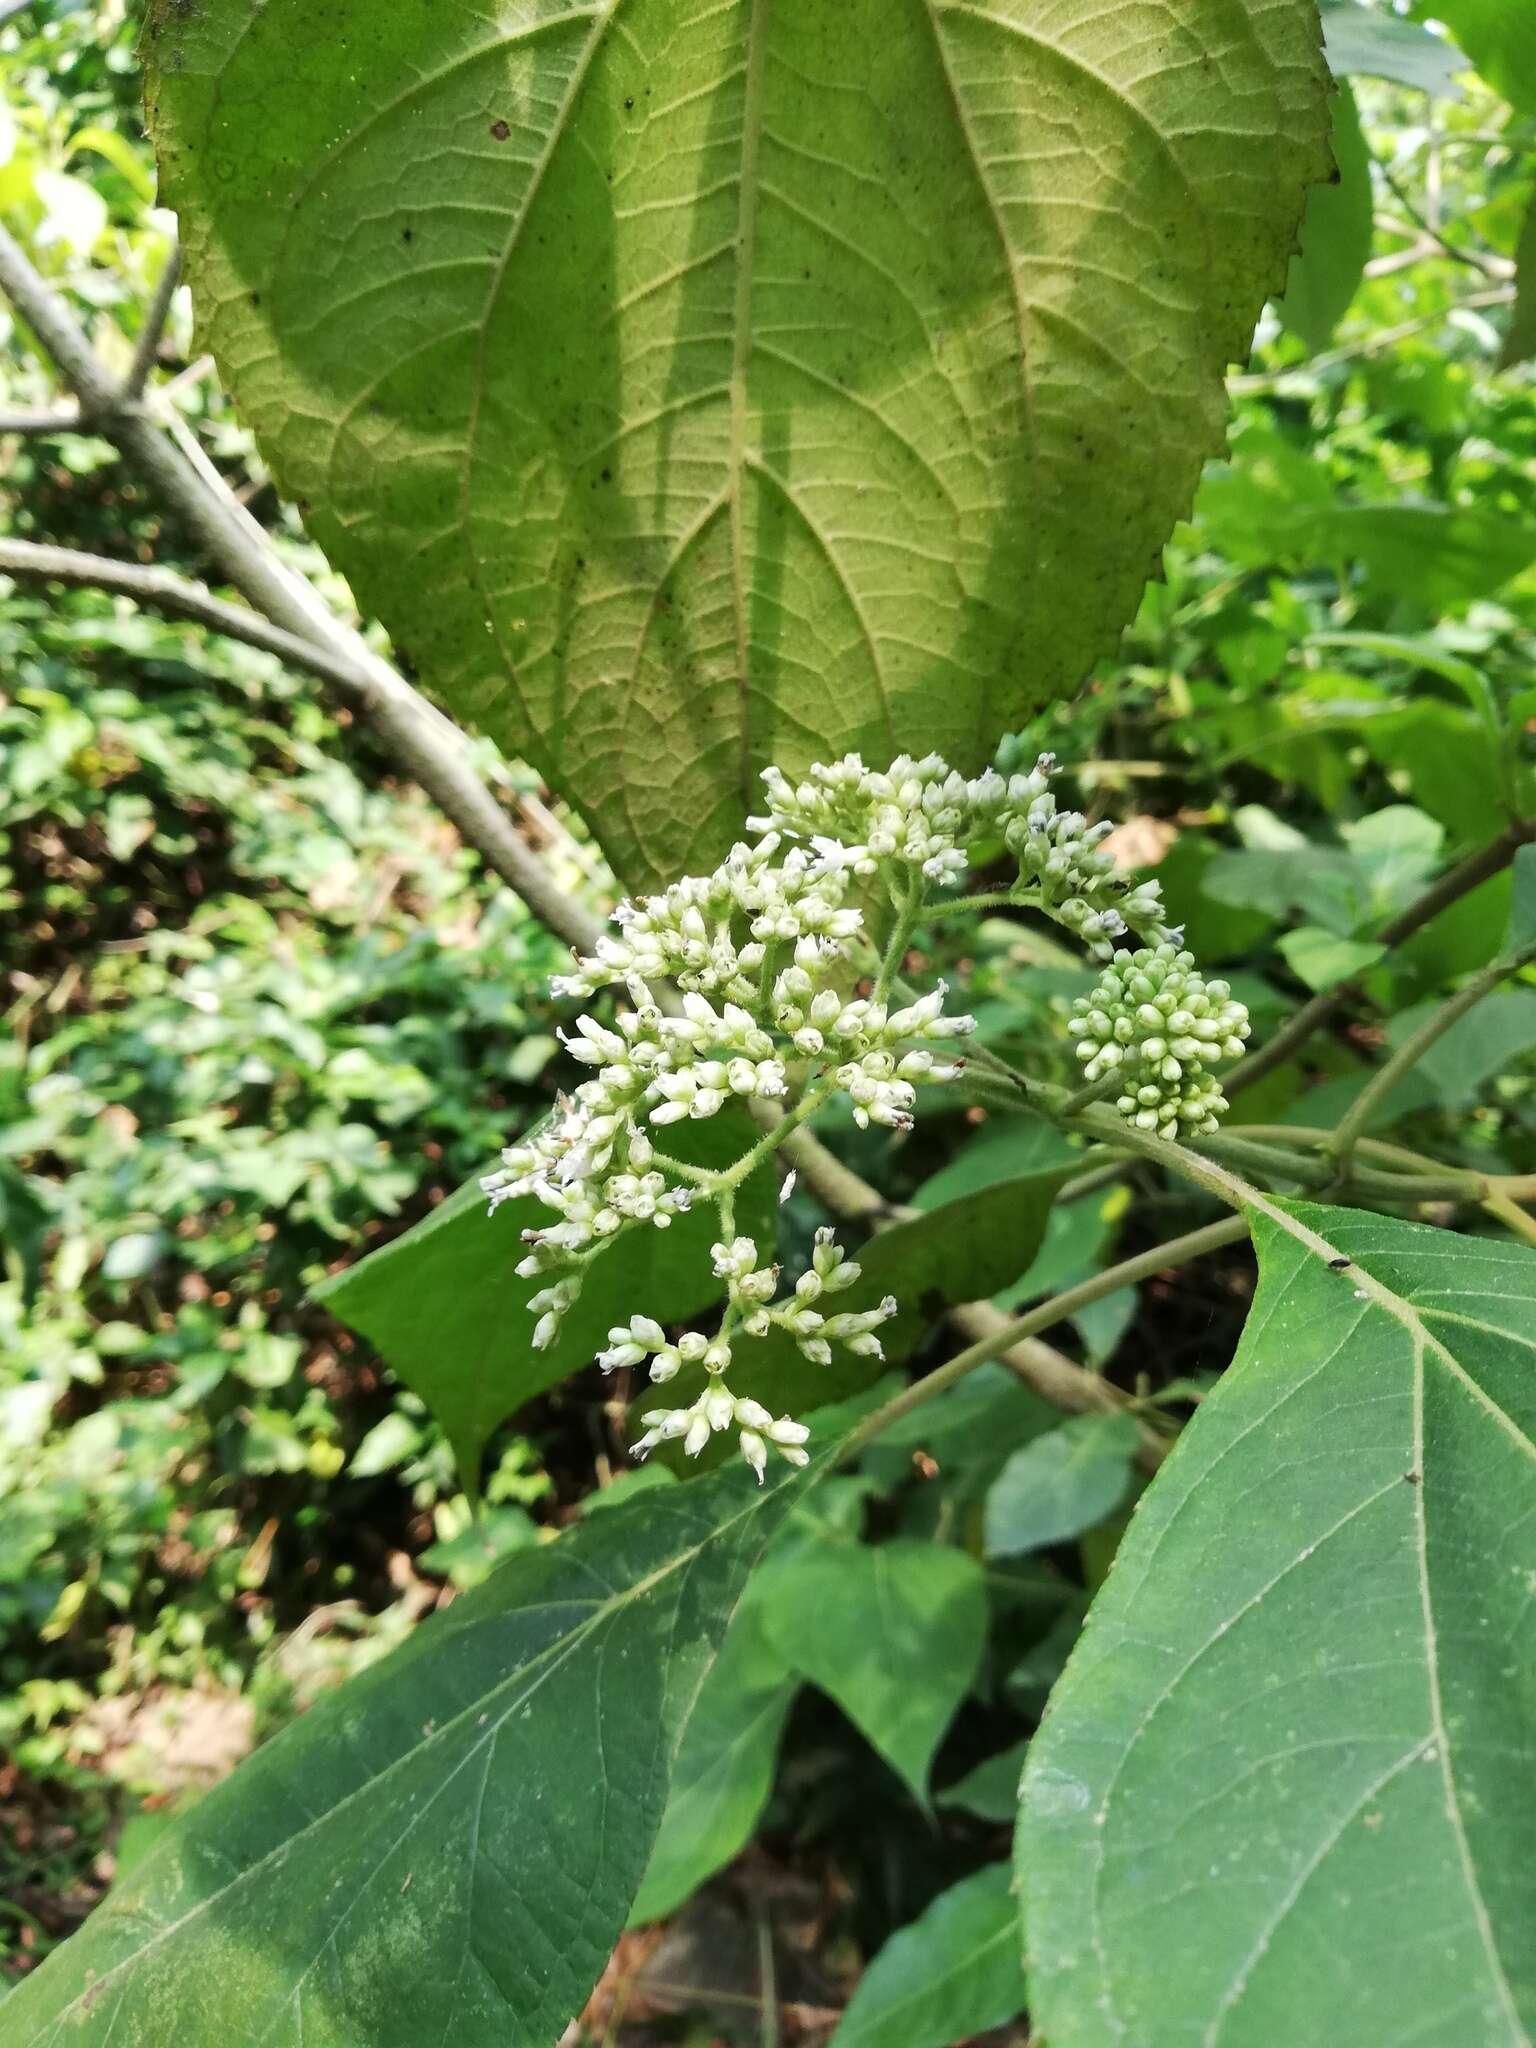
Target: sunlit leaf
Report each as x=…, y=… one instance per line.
x=1499, y=36
x=1367, y=41
x=692, y=386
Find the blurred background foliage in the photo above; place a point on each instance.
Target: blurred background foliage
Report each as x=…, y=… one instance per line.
x=264, y=1011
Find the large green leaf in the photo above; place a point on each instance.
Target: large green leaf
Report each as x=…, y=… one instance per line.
x=1500, y=38
x=692, y=385
x=892, y=1631
x=953, y=1973
x=445, y=1308
x=1283, y=1791
x=445, y=1849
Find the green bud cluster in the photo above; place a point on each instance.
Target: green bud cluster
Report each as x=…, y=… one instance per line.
x=1159, y=1027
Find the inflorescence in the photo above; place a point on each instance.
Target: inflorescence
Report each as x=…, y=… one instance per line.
x=760, y=969
x=1159, y=1027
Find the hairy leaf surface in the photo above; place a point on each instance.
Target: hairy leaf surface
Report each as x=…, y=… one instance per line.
x=446, y=1849
x=690, y=385
x=1283, y=1790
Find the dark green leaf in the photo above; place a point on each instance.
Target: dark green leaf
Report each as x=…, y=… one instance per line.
x=447, y=1848
x=1336, y=234
x=446, y=1310
x=724, y=1770
x=1520, y=939
x=892, y=1631
x=1060, y=1484
x=955, y=1972
x=1520, y=341
x=718, y=385
x=1281, y=1794
x=968, y=1432
x=25, y=1218
x=991, y=1791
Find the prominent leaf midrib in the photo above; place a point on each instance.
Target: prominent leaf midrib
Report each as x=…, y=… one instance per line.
x=1440, y=1732
x=601, y=19
x=959, y=1969
x=558, y=1651
x=741, y=354
x=1422, y=1339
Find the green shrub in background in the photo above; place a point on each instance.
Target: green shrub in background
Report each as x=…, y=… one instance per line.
x=268, y=1009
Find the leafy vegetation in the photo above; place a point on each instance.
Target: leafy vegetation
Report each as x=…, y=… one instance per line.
x=271, y=1013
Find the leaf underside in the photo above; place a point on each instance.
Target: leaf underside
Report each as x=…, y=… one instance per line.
x=694, y=384
x=1283, y=1791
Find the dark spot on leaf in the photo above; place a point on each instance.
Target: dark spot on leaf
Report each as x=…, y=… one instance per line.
x=500, y=130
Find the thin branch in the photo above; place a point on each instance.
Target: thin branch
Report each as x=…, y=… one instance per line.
x=175, y=597
x=1245, y=386
x=426, y=746
x=148, y=344
x=1413, y=1048
x=1515, y=1219
x=54, y=419
x=1451, y=887
x=1142, y=1267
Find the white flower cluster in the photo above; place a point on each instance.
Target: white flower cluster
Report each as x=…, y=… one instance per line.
x=711, y=934
x=751, y=1307
x=1159, y=1026
x=925, y=815
x=755, y=961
